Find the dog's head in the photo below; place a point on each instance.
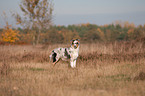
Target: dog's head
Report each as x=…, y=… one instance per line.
x=75, y=43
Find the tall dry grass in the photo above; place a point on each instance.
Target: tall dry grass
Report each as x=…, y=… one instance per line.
x=103, y=69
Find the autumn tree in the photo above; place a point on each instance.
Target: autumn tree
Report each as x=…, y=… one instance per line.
x=37, y=14
x=9, y=35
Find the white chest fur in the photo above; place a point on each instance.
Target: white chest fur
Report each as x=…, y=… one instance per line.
x=74, y=53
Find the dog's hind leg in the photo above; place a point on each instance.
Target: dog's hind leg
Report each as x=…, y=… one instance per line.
x=56, y=61
x=55, y=58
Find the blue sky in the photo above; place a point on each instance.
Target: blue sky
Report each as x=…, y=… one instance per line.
x=98, y=12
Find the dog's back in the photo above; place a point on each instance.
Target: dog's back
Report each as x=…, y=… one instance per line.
x=62, y=53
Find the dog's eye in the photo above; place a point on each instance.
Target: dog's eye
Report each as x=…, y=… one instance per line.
x=77, y=43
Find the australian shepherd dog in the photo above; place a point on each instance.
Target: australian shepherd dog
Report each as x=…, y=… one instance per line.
x=71, y=53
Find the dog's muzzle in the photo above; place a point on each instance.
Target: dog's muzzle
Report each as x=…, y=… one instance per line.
x=75, y=47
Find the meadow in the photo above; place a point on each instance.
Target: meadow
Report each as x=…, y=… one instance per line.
x=103, y=69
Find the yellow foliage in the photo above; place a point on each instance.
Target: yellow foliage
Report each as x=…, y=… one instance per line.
x=86, y=24
x=10, y=35
x=125, y=24
x=130, y=33
x=101, y=34
x=99, y=30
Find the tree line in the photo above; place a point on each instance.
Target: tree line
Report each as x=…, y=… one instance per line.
x=85, y=32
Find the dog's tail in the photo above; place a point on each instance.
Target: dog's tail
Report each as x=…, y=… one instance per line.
x=51, y=56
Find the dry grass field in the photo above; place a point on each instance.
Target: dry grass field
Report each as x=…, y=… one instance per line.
x=103, y=69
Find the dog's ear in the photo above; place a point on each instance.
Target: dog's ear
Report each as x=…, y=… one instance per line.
x=78, y=40
x=72, y=41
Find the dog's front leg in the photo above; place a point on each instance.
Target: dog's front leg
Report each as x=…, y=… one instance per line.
x=73, y=63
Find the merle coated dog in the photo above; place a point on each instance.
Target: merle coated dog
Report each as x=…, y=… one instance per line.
x=70, y=53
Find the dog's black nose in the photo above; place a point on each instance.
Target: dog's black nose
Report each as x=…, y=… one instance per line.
x=75, y=47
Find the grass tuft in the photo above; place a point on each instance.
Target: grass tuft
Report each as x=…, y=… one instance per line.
x=37, y=69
